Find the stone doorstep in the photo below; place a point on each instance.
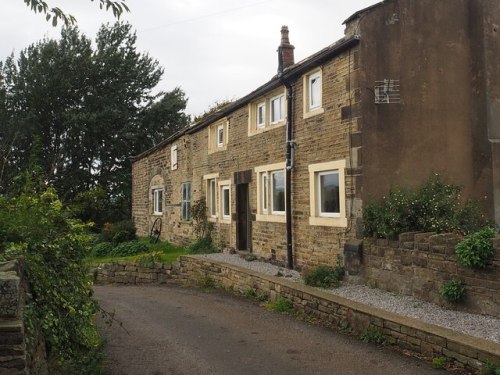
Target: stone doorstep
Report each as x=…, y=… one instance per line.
x=455, y=341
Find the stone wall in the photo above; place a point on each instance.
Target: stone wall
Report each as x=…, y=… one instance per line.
x=406, y=333
x=419, y=263
x=15, y=359
x=123, y=272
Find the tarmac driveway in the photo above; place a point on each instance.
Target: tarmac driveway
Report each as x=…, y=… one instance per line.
x=177, y=330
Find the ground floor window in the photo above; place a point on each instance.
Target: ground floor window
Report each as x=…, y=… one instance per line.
x=327, y=194
x=211, y=195
x=271, y=192
x=225, y=201
x=157, y=201
x=186, y=201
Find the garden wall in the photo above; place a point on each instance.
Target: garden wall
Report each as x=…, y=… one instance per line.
x=409, y=334
x=123, y=272
x=418, y=265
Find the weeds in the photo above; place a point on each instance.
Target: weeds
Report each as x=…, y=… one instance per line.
x=439, y=362
x=372, y=334
x=280, y=305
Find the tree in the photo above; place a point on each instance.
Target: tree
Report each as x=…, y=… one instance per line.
x=90, y=107
x=41, y=6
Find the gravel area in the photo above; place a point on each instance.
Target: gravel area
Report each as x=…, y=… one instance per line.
x=483, y=326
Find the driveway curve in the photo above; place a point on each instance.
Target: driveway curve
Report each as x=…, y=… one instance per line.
x=183, y=331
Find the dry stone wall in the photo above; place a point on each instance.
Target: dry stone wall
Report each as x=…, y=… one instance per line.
x=124, y=272
x=419, y=263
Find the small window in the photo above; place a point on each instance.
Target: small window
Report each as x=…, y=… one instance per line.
x=277, y=109
x=278, y=192
x=328, y=193
x=261, y=115
x=158, y=201
x=186, y=201
x=173, y=157
x=220, y=135
x=225, y=203
x=212, y=197
x=315, y=90
x=264, y=192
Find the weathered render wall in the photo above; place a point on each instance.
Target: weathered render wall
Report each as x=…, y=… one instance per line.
x=435, y=49
x=419, y=263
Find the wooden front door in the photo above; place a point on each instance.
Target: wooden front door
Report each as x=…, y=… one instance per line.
x=243, y=220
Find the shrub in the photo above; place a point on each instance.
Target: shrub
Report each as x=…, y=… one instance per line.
x=250, y=257
x=439, y=362
x=121, y=231
x=490, y=368
x=149, y=259
x=263, y=297
x=250, y=293
x=325, y=276
x=202, y=245
x=435, y=206
x=102, y=249
x=280, y=305
x=476, y=250
x=452, y=291
x=129, y=248
x=372, y=334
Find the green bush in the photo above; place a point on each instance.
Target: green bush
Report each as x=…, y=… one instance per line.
x=203, y=245
x=102, y=249
x=452, y=291
x=491, y=369
x=54, y=246
x=280, y=305
x=372, y=334
x=129, y=248
x=435, y=206
x=476, y=250
x=324, y=276
x=121, y=231
x=439, y=362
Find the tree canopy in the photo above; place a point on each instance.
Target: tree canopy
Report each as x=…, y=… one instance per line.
x=55, y=13
x=78, y=112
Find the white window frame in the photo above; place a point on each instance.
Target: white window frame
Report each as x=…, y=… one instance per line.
x=211, y=183
x=173, y=157
x=313, y=108
x=265, y=193
x=271, y=191
x=225, y=186
x=272, y=119
x=318, y=185
x=157, y=203
x=220, y=131
x=260, y=106
x=186, y=201
x=323, y=218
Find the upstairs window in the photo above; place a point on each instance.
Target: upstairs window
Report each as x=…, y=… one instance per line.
x=277, y=109
x=313, y=93
x=261, y=115
x=267, y=113
x=218, y=136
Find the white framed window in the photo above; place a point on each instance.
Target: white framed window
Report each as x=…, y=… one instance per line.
x=225, y=202
x=157, y=201
x=277, y=109
x=261, y=115
x=220, y=135
x=173, y=157
x=327, y=194
x=313, y=93
x=271, y=192
x=212, y=197
x=186, y=201
x=263, y=177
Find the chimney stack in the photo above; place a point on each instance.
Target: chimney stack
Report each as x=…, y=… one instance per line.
x=286, y=49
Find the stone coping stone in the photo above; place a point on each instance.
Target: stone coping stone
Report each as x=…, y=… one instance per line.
x=475, y=343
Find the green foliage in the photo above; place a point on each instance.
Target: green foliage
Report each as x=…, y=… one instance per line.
x=345, y=327
x=452, y=291
x=56, y=14
x=102, y=249
x=439, y=362
x=250, y=293
x=54, y=246
x=90, y=106
x=280, y=305
x=372, y=334
x=129, y=248
x=202, y=227
x=149, y=259
x=263, y=297
x=204, y=281
x=476, y=250
x=490, y=368
x=118, y=232
x=250, y=257
x=202, y=245
x=433, y=207
x=324, y=276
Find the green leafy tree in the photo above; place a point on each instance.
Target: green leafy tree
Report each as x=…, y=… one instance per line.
x=90, y=107
x=56, y=14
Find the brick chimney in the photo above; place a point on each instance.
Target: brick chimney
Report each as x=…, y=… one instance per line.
x=286, y=49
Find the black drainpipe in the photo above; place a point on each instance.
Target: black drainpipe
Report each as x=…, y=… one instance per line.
x=289, y=161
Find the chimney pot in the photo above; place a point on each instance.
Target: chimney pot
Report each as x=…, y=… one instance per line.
x=286, y=48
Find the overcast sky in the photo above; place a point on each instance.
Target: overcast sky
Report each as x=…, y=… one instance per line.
x=213, y=49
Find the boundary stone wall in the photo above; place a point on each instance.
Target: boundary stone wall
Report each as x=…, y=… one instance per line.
x=419, y=263
x=124, y=272
x=422, y=339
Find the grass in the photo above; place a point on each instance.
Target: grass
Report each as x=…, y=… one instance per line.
x=170, y=253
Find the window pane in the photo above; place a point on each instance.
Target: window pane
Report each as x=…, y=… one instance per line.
x=220, y=135
x=261, y=115
x=213, y=201
x=264, y=192
x=276, y=109
x=278, y=193
x=226, y=202
x=314, y=92
x=329, y=192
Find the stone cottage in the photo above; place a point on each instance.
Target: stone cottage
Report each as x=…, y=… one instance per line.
x=411, y=89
